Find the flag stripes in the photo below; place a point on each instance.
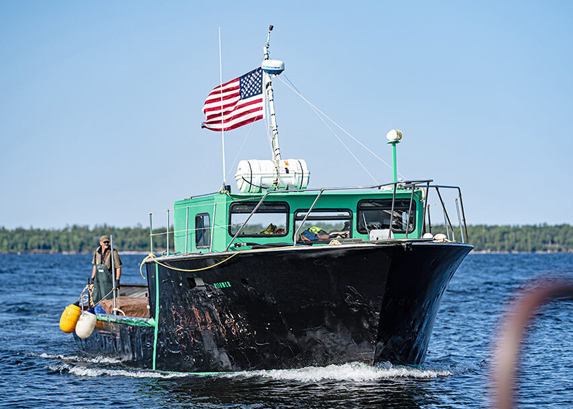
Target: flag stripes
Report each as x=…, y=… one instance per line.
x=235, y=103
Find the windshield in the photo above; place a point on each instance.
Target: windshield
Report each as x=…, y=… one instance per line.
x=323, y=225
x=374, y=214
x=269, y=219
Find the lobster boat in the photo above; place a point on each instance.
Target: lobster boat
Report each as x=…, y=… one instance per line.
x=276, y=274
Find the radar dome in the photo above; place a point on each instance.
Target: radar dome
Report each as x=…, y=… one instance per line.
x=273, y=67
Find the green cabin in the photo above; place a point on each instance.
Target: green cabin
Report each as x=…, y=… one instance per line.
x=223, y=221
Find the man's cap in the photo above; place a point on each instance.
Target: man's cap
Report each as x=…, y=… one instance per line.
x=103, y=239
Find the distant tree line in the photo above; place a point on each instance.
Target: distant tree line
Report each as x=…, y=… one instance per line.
x=528, y=238
x=82, y=239
x=79, y=239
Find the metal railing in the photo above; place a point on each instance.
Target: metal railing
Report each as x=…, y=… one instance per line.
x=152, y=234
x=459, y=209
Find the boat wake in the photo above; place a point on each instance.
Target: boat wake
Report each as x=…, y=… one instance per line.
x=354, y=371
x=92, y=372
x=99, y=366
x=80, y=359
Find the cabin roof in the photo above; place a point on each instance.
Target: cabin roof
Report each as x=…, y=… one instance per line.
x=286, y=194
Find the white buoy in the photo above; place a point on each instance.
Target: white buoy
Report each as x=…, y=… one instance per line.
x=86, y=324
x=428, y=236
x=441, y=238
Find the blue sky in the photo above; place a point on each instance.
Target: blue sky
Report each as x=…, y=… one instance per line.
x=100, y=102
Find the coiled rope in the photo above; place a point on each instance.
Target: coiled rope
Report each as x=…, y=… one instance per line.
x=87, y=295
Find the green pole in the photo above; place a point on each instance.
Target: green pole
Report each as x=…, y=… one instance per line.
x=394, y=163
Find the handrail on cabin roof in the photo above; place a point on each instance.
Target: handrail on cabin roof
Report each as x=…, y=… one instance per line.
x=405, y=183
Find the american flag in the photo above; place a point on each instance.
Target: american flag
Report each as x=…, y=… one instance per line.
x=235, y=103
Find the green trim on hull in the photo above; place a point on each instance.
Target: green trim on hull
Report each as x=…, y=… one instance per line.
x=133, y=321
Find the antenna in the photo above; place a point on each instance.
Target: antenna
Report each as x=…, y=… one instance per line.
x=222, y=116
x=266, y=49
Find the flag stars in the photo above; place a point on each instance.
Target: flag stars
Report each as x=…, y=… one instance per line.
x=251, y=83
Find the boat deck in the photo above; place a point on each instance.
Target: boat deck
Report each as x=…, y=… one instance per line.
x=131, y=306
x=133, y=301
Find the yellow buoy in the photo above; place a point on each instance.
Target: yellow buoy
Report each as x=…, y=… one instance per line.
x=70, y=318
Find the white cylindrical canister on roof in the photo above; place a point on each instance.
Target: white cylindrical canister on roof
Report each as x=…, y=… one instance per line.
x=254, y=176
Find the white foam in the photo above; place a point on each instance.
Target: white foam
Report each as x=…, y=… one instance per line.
x=346, y=372
x=77, y=358
x=92, y=372
x=355, y=371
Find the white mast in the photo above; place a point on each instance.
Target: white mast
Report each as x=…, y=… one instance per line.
x=255, y=176
x=272, y=68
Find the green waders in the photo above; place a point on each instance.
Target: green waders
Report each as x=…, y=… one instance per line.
x=103, y=284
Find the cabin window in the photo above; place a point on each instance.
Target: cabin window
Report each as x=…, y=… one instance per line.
x=323, y=225
x=202, y=231
x=374, y=214
x=270, y=219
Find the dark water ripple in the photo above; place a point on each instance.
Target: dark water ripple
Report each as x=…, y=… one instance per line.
x=41, y=368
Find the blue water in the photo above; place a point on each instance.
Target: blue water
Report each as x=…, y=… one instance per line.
x=41, y=368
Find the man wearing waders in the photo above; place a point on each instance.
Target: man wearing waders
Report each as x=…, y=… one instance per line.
x=101, y=273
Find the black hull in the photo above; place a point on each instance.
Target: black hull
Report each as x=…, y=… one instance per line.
x=289, y=308
x=129, y=343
